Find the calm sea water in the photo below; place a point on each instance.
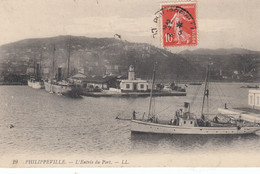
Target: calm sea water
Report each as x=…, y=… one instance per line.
x=50, y=124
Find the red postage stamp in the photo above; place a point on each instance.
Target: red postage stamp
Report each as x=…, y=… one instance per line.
x=179, y=24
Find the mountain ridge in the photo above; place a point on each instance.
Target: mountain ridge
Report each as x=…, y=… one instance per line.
x=219, y=51
x=99, y=56
x=96, y=55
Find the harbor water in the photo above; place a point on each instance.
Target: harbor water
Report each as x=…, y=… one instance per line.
x=46, y=123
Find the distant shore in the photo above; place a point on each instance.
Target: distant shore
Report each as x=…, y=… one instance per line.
x=13, y=83
x=181, y=82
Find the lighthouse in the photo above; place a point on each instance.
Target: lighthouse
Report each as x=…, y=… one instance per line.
x=131, y=73
x=132, y=83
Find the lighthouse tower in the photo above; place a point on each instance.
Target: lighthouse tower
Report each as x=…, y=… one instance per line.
x=131, y=73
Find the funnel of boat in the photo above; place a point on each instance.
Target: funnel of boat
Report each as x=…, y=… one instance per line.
x=186, y=107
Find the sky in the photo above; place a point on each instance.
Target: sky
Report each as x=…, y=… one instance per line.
x=221, y=23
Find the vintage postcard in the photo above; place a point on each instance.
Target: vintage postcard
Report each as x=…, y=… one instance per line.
x=129, y=83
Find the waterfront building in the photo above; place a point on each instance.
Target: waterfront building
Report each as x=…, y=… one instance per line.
x=254, y=99
x=132, y=83
x=99, y=82
x=96, y=82
x=111, y=69
x=79, y=79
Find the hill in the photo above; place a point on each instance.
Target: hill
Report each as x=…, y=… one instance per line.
x=227, y=64
x=220, y=51
x=99, y=56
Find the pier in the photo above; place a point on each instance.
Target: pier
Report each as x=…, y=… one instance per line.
x=107, y=93
x=247, y=114
x=250, y=113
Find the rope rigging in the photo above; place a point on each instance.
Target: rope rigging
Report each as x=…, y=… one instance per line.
x=196, y=94
x=223, y=94
x=164, y=109
x=217, y=90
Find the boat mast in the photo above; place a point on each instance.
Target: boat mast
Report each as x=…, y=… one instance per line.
x=151, y=93
x=53, y=65
x=34, y=71
x=206, y=91
x=40, y=68
x=68, y=72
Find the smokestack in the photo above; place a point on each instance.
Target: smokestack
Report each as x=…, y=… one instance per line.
x=59, y=74
x=186, y=107
x=37, y=70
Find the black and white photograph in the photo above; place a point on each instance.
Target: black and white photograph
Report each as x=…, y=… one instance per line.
x=129, y=83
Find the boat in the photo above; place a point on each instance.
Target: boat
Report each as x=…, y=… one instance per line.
x=59, y=86
x=187, y=123
x=29, y=82
x=250, y=86
x=176, y=87
x=36, y=81
x=195, y=83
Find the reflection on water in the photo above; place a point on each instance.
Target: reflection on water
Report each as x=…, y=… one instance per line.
x=47, y=123
x=189, y=143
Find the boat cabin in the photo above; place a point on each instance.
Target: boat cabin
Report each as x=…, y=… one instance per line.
x=185, y=119
x=186, y=122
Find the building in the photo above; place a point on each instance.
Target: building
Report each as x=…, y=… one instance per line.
x=79, y=79
x=111, y=69
x=254, y=99
x=99, y=82
x=94, y=82
x=132, y=83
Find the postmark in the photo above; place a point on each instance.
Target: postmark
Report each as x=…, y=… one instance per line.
x=177, y=23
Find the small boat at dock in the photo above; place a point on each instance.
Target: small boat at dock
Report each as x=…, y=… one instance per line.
x=195, y=83
x=250, y=86
x=36, y=84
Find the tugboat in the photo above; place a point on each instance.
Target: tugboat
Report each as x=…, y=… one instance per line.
x=36, y=81
x=59, y=86
x=186, y=123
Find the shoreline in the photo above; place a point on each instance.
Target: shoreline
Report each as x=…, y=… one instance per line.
x=133, y=94
x=20, y=83
x=12, y=84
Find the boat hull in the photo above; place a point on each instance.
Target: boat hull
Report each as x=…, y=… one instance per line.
x=29, y=83
x=149, y=127
x=47, y=86
x=58, y=89
x=36, y=84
